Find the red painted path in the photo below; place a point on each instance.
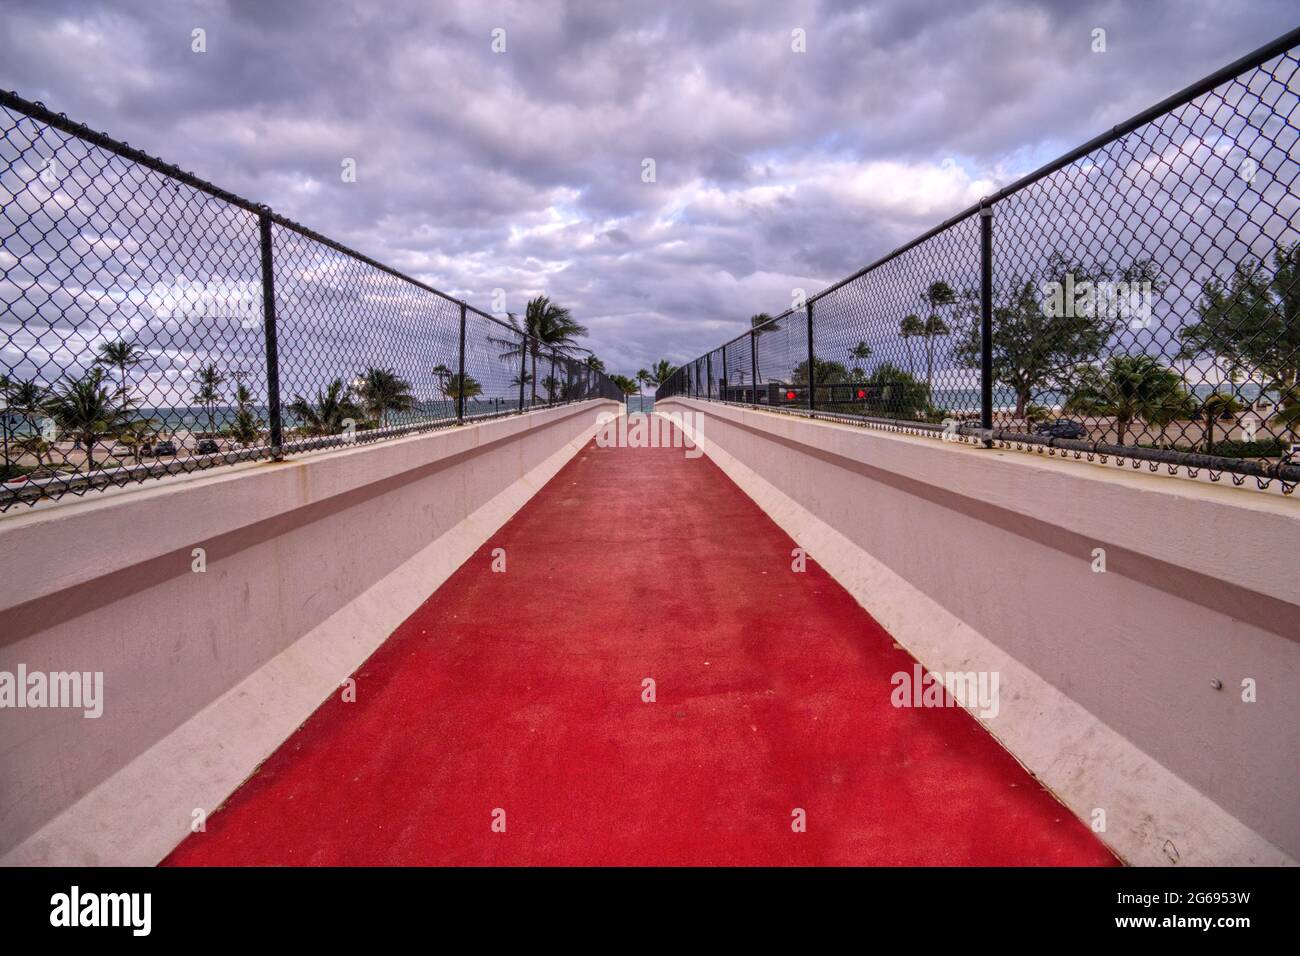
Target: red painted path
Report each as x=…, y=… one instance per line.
x=522, y=691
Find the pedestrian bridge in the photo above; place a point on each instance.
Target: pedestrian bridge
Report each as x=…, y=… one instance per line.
x=537, y=640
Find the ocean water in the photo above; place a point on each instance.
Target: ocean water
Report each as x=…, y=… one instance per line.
x=181, y=418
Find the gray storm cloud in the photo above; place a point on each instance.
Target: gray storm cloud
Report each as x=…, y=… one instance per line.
x=522, y=170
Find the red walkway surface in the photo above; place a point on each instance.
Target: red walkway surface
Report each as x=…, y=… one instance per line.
x=522, y=691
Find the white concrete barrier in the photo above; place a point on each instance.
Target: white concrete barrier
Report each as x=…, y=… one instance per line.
x=1125, y=691
x=309, y=564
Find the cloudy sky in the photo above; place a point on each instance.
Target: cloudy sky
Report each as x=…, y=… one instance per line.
x=523, y=169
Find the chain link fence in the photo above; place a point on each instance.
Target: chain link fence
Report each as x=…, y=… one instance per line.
x=1138, y=298
x=152, y=323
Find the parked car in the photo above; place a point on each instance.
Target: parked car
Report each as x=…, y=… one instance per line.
x=206, y=446
x=1062, y=428
x=128, y=451
x=164, y=447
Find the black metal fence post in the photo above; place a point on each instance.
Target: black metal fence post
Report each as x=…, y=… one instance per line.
x=460, y=370
x=708, y=370
x=551, y=382
x=194, y=220
x=722, y=392
x=812, y=375
x=986, y=321
x=272, y=345
x=523, y=367
x=753, y=363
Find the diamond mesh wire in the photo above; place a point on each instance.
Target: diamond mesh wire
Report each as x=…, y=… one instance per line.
x=896, y=342
x=122, y=290
x=738, y=374
x=361, y=351
x=493, y=362
x=134, y=331
x=1145, y=301
x=1174, y=251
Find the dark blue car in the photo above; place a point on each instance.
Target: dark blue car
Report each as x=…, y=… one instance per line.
x=1062, y=428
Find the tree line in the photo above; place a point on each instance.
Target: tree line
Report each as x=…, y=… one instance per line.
x=1247, y=324
x=100, y=404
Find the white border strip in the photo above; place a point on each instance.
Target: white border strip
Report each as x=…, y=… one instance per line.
x=138, y=815
x=1154, y=818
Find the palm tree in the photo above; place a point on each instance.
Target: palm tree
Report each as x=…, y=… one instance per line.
x=247, y=427
x=628, y=386
x=5, y=385
x=87, y=410
x=595, y=364
x=208, y=392
x=327, y=414
x=23, y=397
x=382, y=391
x=548, y=326
x=1177, y=406
x=1218, y=405
x=1128, y=388
x=1035, y=414
x=661, y=372
x=910, y=328
x=935, y=326
x=861, y=352
x=442, y=374
x=937, y=295
x=121, y=355
x=453, y=387
x=642, y=377
x=136, y=435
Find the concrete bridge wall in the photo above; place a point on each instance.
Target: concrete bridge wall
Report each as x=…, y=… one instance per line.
x=983, y=560
x=310, y=564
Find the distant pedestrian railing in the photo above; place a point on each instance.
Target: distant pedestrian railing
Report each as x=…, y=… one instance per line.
x=1138, y=298
x=152, y=323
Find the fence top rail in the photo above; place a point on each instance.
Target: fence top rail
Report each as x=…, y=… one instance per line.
x=43, y=114
x=1184, y=96
x=1088, y=380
